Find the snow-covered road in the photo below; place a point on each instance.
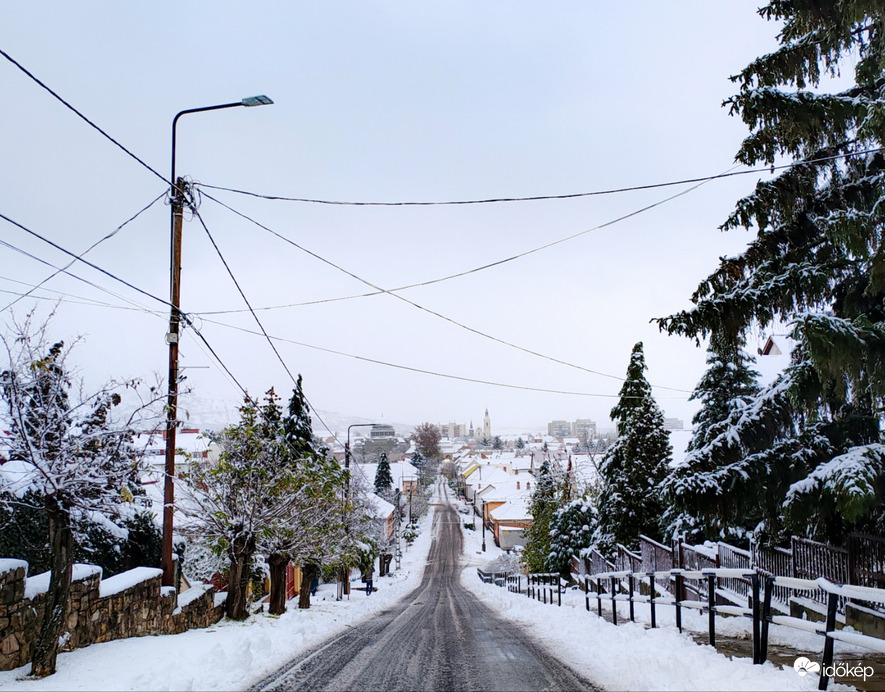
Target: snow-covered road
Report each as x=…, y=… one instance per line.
x=439, y=637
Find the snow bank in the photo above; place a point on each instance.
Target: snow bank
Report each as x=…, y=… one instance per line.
x=629, y=656
x=228, y=655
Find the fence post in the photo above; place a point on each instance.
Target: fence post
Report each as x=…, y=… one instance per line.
x=651, y=597
x=614, y=603
x=832, y=605
x=543, y=589
x=678, y=601
x=630, y=586
x=762, y=654
x=754, y=580
x=711, y=607
x=587, y=592
x=599, y=595
x=559, y=591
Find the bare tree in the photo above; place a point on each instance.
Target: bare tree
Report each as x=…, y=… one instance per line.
x=70, y=449
x=427, y=437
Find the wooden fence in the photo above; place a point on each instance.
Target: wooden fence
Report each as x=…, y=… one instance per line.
x=627, y=560
x=655, y=558
x=862, y=563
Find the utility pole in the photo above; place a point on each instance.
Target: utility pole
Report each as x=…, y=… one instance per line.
x=172, y=337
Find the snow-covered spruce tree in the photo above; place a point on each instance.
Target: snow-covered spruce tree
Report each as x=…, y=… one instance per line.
x=545, y=501
x=727, y=386
x=570, y=532
x=630, y=474
x=806, y=453
x=69, y=454
x=383, y=479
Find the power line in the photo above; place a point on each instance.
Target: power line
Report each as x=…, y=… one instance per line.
x=258, y=321
x=421, y=307
x=71, y=274
x=474, y=270
x=80, y=259
x=536, y=198
x=87, y=250
x=79, y=114
x=73, y=299
x=202, y=340
x=417, y=370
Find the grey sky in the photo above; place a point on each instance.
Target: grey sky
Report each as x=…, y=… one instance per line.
x=385, y=102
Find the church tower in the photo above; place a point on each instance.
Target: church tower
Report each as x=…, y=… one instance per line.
x=487, y=425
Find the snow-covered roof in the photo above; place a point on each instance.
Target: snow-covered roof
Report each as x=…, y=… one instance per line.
x=381, y=508
x=486, y=475
x=773, y=356
x=504, y=491
x=514, y=510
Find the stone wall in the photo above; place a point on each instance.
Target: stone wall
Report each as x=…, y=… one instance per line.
x=131, y=604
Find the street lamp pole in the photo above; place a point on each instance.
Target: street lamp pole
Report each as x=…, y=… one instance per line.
x=177, y=205
x=483, y=526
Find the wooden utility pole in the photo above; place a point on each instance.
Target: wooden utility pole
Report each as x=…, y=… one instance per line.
x=172, y=337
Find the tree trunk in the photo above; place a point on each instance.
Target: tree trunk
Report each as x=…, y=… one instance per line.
x=308, y=572
x=277, y=563
x=237, y=605
x=61, y=565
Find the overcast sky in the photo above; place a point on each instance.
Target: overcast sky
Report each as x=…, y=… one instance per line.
x=383, y=101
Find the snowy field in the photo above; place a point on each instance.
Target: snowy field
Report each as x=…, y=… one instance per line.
x=229, y=655
x=629, y=656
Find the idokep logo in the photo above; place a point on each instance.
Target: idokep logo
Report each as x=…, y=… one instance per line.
x=804, y=666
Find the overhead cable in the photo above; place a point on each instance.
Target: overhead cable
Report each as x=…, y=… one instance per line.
x=84, y=261
x=474, y=270
x=536, y=198
x=421, y=307
x=257, y=320
x=80, y=115
x=422, y=371
x=87, y=250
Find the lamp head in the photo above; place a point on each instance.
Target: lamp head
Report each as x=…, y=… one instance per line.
x=260, y=100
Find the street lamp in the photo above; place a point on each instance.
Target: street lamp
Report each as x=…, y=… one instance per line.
x=483, y=526
x=177, y=205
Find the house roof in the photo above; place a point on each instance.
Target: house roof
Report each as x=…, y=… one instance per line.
x=380, y=507
x=514, y=510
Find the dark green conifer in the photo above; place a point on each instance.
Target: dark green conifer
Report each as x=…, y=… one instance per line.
x=807, y=452
x=629, y=502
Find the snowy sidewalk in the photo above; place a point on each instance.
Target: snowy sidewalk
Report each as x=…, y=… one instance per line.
x=629, y=656
x=228, y=655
